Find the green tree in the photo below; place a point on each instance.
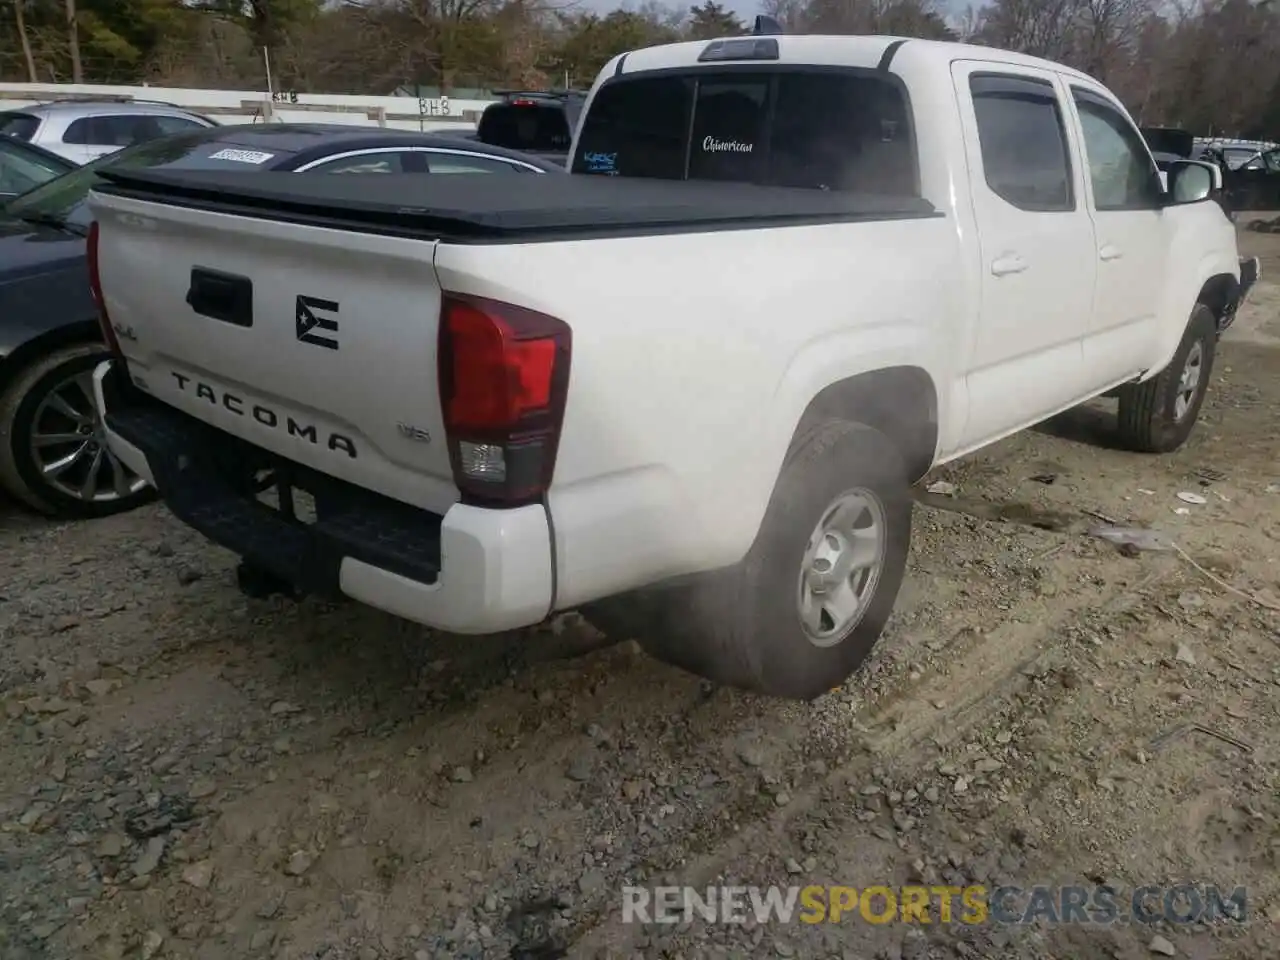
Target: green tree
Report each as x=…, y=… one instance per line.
x=712, y=20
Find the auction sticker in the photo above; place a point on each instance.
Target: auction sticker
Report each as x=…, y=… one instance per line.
x=241, y=156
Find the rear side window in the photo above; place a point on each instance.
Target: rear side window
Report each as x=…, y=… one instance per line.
x=537, y=127
x=829, y=130
x=112, y=131
x=22, y=126
x=1024, y=146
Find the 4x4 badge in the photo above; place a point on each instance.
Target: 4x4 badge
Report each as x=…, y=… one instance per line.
x=308, y=320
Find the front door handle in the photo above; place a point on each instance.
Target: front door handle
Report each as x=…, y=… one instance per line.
x=1110, y=253
x=1011, y=263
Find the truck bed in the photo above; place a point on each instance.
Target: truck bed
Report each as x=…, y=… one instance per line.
x=497, y=209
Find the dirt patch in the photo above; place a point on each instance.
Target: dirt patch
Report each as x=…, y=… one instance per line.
x=184, y=773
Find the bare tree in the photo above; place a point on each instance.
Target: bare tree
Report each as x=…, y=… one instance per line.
x=73, y=42
x=20, y=21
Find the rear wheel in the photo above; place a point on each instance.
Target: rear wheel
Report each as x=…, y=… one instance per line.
x=53, y=452
x=806, y=605
x=1158, y=415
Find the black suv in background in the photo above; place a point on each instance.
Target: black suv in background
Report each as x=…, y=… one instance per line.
x=540, y=123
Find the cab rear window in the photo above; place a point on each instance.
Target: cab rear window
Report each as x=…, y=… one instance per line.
x=530, y=127
x=826, y=130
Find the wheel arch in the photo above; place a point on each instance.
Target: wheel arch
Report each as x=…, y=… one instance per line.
x=1221, y=294
x=25, y=353
x=900, y=401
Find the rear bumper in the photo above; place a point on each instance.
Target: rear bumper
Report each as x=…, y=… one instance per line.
x=472, y=570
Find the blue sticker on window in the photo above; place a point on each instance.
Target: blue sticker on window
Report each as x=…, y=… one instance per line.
x=601, y=162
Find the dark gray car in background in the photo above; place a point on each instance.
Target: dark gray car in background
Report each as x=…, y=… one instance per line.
x=51, y=453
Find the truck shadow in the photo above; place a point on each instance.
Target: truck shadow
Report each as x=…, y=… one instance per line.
x=1093, y=423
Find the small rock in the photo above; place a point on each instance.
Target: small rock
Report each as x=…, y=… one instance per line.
x=150, y=858
x=281, y=707
x=530, y=841
x=152, y=941
x=111, y=845
x=58, y=769
x=1184, y=655
x=462, y=775
x=942, y=488
x=204, y=787
x=1003, y=737
x=987, y=765
x=961, y=785
x=298, y=863
x=262, y=939
x=198, y=874
x=580, y=769
x=1161, y=946
x=101, y=687
x=591, y=882
x=782, y=798
x=188, y=575
x=793, y=867
x=751, y=755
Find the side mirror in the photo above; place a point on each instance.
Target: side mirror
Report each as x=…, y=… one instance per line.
x=1190, y=181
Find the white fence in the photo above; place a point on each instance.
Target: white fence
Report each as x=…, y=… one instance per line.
x=259, y=106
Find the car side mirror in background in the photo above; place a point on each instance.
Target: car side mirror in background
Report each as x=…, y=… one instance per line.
x=1190, y=181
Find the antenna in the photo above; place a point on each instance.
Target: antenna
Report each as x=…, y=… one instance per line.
x=766, y=27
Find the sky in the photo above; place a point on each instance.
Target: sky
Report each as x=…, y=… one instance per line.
x=745, y=9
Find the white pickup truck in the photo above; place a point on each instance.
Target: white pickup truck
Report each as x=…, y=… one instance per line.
x=688, y=386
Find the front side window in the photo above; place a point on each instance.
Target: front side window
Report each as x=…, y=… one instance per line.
x=820, y=129
x=1023, y=143
x=1120, y=167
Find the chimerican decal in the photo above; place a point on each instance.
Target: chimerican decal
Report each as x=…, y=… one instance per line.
x=712, y=145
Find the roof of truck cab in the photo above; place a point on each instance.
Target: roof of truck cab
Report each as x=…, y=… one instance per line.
x=867, y=52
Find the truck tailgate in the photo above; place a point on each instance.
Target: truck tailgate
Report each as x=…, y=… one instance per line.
x=291, y=337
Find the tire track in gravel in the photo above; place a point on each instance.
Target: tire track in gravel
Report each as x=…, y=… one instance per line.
x=991, y=668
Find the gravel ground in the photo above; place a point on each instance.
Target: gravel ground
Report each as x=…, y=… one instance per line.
x=187, y=773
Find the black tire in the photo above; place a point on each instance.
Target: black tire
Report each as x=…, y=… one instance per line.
x=20, y=474
x=741, y=627
x=1149, y=420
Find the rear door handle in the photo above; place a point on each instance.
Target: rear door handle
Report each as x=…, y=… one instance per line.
x=1110, y=253
x=1012, y=263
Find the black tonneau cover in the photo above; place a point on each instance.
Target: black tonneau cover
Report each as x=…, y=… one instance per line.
x=499, y=208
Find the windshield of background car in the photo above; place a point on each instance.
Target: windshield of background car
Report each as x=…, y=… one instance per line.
x=827, y=130
x=64, y=197
x=22, y=168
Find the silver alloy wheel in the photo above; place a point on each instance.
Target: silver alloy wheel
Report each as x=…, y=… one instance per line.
x=1189, y=381
x=841, y=566
x=69, y=447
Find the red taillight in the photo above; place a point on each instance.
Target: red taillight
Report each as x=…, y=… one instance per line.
x=524, y=102
x=95, y=287
x=504, y=378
